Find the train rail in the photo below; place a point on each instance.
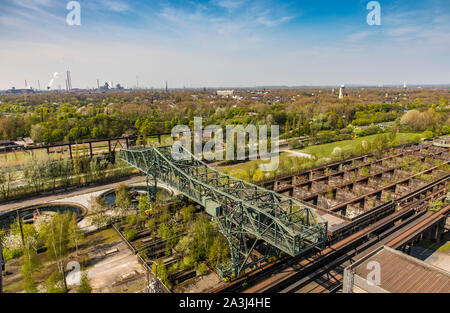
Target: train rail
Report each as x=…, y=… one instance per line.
x=322, y=271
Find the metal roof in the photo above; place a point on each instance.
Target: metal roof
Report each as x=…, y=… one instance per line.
x=401, y=273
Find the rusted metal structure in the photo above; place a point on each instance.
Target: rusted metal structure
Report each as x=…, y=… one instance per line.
x=363, y=233
x=431, y=228
x=358, y=191
x=247, y=215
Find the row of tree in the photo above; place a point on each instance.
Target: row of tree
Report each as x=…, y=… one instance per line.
x=60, y=236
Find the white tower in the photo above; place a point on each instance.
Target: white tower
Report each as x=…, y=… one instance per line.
x=342, y=92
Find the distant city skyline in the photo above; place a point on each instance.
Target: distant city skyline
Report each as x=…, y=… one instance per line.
x=224, y=43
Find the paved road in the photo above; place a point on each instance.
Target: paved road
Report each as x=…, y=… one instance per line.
x=62, y=195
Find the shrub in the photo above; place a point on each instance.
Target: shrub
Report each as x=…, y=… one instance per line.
x=202, y=269
x=55, y=283
x=85, y=286
x=189, y=262
x=131, y=219
x=130, y=234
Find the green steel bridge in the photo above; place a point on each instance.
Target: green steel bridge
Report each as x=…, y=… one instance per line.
x=250, y=217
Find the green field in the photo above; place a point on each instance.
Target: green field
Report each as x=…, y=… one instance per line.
x=325, y=150
x=289, y=162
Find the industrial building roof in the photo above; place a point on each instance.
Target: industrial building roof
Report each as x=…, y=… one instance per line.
x=401, y=273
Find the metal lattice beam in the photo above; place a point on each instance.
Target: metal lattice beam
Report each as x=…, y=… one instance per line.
x=245, y=213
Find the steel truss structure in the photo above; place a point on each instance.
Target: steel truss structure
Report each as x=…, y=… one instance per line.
x=250, y=217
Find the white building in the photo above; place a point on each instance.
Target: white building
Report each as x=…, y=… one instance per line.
x=225, y=93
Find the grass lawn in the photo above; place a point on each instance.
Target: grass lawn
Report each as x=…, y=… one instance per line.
x=236, y=169
x=325, y=150
x=298, y=163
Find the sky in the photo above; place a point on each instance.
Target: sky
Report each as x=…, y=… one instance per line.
x=224, y=43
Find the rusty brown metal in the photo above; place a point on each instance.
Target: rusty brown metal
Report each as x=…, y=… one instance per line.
x=416, y=230
x=400, y=273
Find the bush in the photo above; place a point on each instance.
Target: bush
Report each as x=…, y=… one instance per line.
x=9, y=254
x=189, y=262
x=151, y=225
x=188, y=213
x=416, y=138
x=435, y=206
x=295, y=144
x=85, y=286
x=55, y=283
x=131, y=219
x=130, y=234
x=202, y=269
x=427, y=134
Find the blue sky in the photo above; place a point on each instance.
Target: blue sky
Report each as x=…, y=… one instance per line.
x=227, y=43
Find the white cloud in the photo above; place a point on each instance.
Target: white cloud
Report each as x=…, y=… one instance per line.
x=403, y=31
x=199, y=46
x=115, y=5
x=359, y=36
x=264, y=20
x=231, y=4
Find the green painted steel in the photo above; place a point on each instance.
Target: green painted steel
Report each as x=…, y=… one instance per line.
x=248, y=216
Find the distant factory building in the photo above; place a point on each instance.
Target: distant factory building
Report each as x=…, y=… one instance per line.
x=225, y=93
x=14, y=91
x=109, y=86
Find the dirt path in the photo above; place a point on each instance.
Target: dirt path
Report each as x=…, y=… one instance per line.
x=299, y=154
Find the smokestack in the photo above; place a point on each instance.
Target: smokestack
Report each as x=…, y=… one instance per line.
x=39, y=84
x=98, y=84
x=68, y=81
x=167, y=89
x=26, y=85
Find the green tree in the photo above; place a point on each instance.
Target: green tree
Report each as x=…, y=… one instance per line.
x=203, y=232
x=57, y=241
x=160, y=269
x=219, y=252
x=30, y=263
x=56, y=283
x=144, y=204
x=188, y=213
x=168, y=233
x=75, y=233
x=85, y=285
x=123, y=199
x=29, y=285
x=151, y=225
x=98, y=207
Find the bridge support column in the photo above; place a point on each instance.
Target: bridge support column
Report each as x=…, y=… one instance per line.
x=151, y=188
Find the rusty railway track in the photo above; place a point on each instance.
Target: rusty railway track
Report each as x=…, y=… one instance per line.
x=330, y=264
x=303, y=270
